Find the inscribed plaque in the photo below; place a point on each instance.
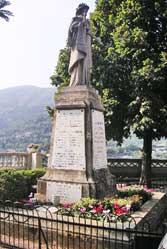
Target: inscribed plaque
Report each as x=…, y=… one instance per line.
x=66, y=191
x=99, y=140
x=69, y=140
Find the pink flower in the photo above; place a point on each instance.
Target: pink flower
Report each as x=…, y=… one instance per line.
x=119, y=185
x=151, y=190
x=29, y=201
x=82, y=210
x=128, y=206
x=68, y=205
x=148, y=189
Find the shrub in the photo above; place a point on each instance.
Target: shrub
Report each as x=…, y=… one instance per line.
x=128, y=191
x=16, y=185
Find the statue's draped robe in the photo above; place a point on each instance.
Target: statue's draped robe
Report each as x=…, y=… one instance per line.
x=79, y=39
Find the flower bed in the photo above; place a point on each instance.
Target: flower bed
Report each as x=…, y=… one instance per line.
x=119, y=207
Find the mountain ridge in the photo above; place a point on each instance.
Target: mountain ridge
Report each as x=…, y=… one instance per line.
x=23, y=117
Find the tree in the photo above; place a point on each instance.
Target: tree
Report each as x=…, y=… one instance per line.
x=61, y=77
x=5, y=13
x=130, y=70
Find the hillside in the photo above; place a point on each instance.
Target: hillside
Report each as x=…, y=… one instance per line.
x=24, y=120
x=23, y=117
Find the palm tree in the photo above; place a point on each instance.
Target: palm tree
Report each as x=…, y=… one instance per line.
x=5, y=13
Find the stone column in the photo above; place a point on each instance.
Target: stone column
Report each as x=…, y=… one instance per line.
x=36, y=160
x=77, y=166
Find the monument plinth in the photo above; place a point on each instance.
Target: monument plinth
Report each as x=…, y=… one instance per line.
x=77, y=164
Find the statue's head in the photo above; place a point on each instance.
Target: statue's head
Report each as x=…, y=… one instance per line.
x=82, y=8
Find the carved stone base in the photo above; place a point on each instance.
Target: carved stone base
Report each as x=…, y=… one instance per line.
x=77, y=165
x=72, y=185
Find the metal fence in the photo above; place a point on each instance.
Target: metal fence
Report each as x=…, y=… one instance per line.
x=41, y=228
x=128, y=162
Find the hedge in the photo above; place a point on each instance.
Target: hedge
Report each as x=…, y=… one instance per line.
x=16, y=185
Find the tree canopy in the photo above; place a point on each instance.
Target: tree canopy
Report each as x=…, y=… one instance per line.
x=133, y=74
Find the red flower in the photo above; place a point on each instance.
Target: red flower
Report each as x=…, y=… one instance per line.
x=116, y=206
x=119, y=211
x=124, y=210
x=98, y=209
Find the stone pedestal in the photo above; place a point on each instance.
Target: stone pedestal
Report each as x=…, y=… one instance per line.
x=77, y=165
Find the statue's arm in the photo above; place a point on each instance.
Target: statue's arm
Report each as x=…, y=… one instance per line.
x=73, y=29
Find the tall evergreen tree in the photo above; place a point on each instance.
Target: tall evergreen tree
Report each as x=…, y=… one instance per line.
x=5, y=13
x=130, y=70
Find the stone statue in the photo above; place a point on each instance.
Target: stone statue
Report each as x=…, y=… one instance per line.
x=79, y=40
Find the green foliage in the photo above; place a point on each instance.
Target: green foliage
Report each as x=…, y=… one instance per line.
x=112, y=209
x=129, y=70
x=135, y=201
x=86, y=202
x=16, y=185
x=50, y=111
x=132, y=79
x=134, y=191
x=61, y=77
x=130, y=65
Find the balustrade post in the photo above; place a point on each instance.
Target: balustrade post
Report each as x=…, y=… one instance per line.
x=29, y=161
x=36, y=160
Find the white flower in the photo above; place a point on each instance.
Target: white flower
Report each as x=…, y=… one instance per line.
x=128, y=206
x=106, y=211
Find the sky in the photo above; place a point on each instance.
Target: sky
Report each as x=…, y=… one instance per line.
x=30, y=42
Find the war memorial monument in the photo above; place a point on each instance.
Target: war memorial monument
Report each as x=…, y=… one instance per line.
x=77, y=165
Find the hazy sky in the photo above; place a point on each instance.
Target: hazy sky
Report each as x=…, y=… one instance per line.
x=31, y=40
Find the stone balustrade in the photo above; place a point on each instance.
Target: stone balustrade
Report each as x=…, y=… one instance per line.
x=21, y=160
x=125, y=167
x=118, y=166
